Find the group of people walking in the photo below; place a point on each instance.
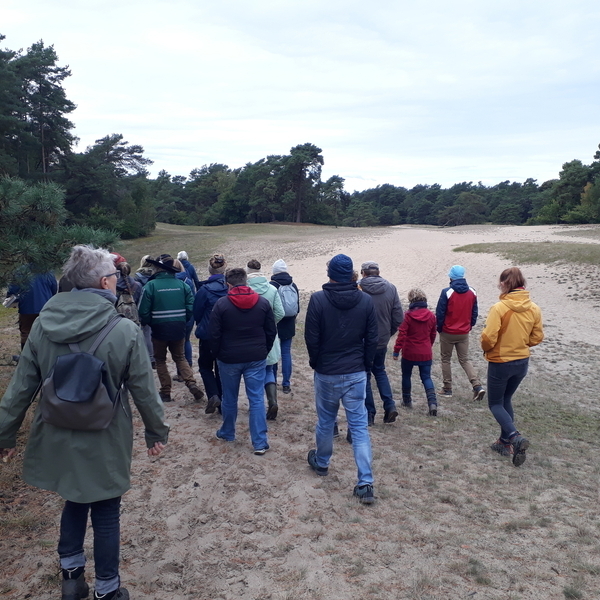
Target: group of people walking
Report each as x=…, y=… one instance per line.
x=245, y=323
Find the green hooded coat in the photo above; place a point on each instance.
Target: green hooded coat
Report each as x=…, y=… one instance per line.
x=82, y=466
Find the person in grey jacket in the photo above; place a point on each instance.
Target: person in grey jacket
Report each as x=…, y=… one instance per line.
x=389, y=316
x=89, y=469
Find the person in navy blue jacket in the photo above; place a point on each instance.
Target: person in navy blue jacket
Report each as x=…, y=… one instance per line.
x=32, y=299
x=456, y=314
x=189, y=267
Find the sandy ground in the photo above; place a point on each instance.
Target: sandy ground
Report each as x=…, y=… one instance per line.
x=211, y=520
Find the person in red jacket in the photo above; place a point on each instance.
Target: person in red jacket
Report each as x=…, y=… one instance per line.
x=415, y=339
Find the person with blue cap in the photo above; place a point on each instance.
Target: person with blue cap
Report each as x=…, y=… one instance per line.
x=341, y=336
x=456, y=314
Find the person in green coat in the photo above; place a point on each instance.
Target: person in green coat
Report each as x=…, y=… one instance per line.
x=89, y=469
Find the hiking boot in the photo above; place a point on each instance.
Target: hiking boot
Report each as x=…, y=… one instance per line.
x=349, y=436
x=336, y=431
x=433, y=410
x=74, y=586
x=220, y=437
x=165, y=397
x=120, y=594
x=447, y=392
x=519, y=445
x=213, y=403
x=370, y=419
x=286, y=389
x=312, y=461
x=407, y=400
x=364, y=493
x=431, y=402
x=271, y=392
x=196, y=392
x=390, y=416
x=478, y=393
x=502, y=448
x=260, y=451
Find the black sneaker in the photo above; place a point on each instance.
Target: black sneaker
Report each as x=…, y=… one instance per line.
x=390, y=416
x=165, y=397
x=478, y=393
x=433, y=410
x=213, y=403
x=153, y=365
x=364, y=493
x=336, y=431
x=519, y=445
x=407, y=404
x=446, y=392
x=312, y=461
x=120, y=594
x=286, y=389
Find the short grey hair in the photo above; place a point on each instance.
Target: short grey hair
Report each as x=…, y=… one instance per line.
x=87, y=265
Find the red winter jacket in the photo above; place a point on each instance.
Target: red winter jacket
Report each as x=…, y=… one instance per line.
x=416, y=334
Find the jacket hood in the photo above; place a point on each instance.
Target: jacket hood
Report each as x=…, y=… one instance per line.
x=420, y=313
x=215, y=285
x=259, y=283
x=373, y=285
x=243, y=297
x=517, y=300
x=460, y=285
x=282, y=278
x=74, y=316
x=342, y=295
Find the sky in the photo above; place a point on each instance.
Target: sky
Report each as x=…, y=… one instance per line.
x=393, y=92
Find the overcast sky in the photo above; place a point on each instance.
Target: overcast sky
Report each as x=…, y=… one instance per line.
x=392, y=91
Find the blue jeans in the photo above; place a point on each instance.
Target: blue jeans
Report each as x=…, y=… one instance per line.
x=254, y=381
x=188, y=345
x=424, y=372
x=503, y=379
x=270, y=374
x=383, y=384
x=105, y=523
x=286, y=362
x=350, y=389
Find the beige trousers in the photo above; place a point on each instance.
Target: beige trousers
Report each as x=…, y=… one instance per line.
x=448, y=342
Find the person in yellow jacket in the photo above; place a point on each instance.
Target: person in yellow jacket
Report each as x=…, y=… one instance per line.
x=513, y=326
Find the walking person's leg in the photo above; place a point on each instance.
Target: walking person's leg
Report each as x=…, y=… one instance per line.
x=73, y=525
x=107, y=540
x=446, y=348
x=383, y=386
x=286, y=364
x=328, y=392
x=160, y=356
x=231, y=375
x=462, y=351
x=425, y=375
x=406, y=367
x=209, y=374
x=254, y=378
x=177, y=349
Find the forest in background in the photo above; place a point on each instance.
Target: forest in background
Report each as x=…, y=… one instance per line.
x=52, y=197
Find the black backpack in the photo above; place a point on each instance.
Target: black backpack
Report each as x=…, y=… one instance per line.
x=75, y=394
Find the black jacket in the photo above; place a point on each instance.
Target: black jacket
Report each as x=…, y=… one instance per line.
x=286, y=328
x=242, y=327
x=341, y=330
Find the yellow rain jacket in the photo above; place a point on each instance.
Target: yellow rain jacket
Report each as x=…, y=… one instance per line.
x=513, y=325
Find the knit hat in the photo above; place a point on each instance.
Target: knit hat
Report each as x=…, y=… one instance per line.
x=253, y=266
x=183, y=255
x=340, y=268
x=217, y=264
x=456, y=272
x=279, y=266
x=117, y=258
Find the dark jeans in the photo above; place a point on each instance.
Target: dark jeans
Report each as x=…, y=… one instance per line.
x=105, y=523
x=209, y=370
x=286, y=362
x=188, y=345
x=424, y=371
x=383, y=384
x=503, y=379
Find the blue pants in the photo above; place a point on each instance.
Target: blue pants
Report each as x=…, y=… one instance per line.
x=503, y=379
x=286, y=362
x=106, y=526
x=383, y=384
x=350, y=389
x=254, y=381
x=424, y=372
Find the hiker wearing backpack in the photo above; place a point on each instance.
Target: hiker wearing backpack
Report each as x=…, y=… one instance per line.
x=166, y=306
x=286, y=328
x=129, y=292
x=206, y=297
x=90, y=470
x=142, y=276
x=260, y=284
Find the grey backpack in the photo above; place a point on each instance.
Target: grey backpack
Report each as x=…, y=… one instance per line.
x=75, y=394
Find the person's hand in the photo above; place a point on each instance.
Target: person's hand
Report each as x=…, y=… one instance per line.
x=395, y=356
x=156, y=449
x=7, y=453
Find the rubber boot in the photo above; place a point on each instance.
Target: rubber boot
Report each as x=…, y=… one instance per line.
x=271, y=391
x=74, y=586
x=406, y=399
x=432, y=402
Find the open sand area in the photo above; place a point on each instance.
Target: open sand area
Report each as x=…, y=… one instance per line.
x=210, y=520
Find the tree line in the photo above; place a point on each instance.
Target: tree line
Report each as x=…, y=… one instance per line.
x=105, y=192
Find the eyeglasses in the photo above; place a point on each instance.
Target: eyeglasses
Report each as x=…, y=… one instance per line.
x=117, y=274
